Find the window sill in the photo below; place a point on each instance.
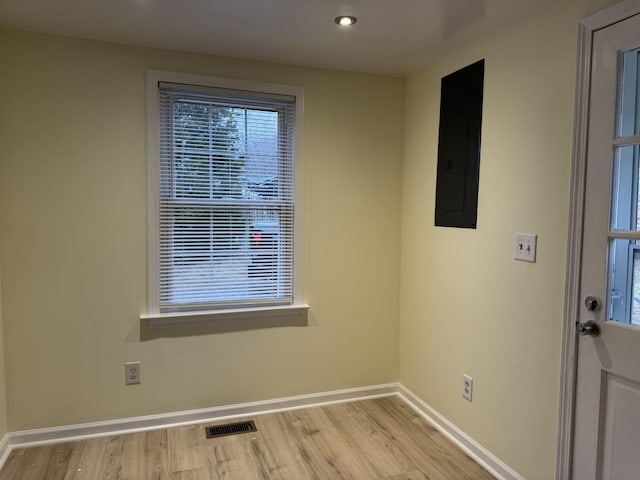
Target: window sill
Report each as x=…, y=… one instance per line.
x=212, y=316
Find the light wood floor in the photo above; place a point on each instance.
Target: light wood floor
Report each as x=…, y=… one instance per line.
x=378, y=439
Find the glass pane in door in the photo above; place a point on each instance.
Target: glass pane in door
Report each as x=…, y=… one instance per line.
x=635, y=288
x=624, y=294
x=629, y=113
x=624, y=245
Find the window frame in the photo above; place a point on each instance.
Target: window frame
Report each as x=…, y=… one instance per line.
x=153, y=315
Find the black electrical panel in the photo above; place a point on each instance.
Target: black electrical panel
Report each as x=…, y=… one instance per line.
x=459, y=147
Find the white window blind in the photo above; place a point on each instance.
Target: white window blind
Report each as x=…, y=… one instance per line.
x=226, y=212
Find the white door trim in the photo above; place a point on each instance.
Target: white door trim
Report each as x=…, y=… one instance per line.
x=586, y=29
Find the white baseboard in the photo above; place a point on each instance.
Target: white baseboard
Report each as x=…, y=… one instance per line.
x=5, y=449
x=472, y=448
x=43, y=436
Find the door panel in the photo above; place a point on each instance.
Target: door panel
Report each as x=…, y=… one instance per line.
x=620, y=432
x=607, y=412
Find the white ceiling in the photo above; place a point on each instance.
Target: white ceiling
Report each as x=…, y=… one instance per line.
x=391, y=36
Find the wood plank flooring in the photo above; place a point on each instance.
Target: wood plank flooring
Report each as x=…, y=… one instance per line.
x=377, y=439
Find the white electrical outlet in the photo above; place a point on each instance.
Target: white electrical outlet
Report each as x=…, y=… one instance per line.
x=132, y=373
x=467, y=387
x=525, y=247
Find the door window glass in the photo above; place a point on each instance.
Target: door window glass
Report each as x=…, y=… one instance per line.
x=624, y=242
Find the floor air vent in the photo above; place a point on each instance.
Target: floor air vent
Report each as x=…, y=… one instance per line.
x=231, y=429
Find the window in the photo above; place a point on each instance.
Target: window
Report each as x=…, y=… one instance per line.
x=223, y=219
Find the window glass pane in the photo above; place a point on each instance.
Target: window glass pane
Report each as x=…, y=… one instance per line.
x=260, y=148
x=624, y=205
x=625, y=299
x=635, y=287
x=629, y=118
x=207, y=160
x=624, y=280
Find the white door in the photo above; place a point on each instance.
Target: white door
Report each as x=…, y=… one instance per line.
x=606, y=442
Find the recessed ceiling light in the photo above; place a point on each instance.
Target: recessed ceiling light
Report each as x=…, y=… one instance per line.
x=346, y=21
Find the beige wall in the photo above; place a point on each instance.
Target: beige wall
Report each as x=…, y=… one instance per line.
x=466, y=305
x=73, y=244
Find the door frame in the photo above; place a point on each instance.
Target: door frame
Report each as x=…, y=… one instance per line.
x=586, y=28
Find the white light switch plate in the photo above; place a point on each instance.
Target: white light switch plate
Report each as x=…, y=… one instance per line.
x=525, y=247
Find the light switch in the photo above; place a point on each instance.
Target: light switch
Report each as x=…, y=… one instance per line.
x=525, y=247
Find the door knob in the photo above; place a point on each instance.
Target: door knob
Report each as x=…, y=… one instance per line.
x=589, y=328
x=592, y=303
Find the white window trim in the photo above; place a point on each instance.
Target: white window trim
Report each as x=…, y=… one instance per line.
x=181, y=318
x=153, y=315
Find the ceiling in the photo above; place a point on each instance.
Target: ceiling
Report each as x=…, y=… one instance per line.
x=392, y=37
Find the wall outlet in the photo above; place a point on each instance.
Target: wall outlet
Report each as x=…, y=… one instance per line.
x=467, y=387
x=132, y=373
x=525, y=247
